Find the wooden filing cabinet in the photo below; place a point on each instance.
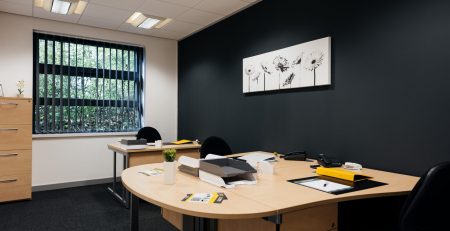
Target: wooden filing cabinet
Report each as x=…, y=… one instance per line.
x=15, y=148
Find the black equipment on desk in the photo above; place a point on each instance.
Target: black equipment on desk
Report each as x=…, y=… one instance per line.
x=328, y=162
x=297, y=155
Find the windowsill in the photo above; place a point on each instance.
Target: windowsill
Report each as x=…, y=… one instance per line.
x=77, y=135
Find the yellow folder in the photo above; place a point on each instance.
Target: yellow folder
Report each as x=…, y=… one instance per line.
x=182, y=142
x=341, y=174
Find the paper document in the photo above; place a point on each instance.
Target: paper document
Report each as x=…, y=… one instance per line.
x=152, y=172
x=216, y=197
x=133, y=147
x=189, y=161
x=258, y=156
x=213, y=156
x=324, y=185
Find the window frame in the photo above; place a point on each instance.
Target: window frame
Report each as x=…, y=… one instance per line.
x=60, y=71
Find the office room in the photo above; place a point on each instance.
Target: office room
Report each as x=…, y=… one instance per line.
x=224, y=115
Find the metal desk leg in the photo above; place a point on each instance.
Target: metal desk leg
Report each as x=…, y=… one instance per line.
x=134, y=213
x=124, y=198
x=199, y=224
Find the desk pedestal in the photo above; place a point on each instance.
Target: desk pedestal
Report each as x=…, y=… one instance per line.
x=320, y=218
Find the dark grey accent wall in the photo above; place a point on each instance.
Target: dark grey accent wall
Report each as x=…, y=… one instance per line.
x=389, y=103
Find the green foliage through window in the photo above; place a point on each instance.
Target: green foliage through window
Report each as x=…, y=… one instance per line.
x=86, y=86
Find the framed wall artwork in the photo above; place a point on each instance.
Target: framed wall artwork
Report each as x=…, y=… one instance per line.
x=303, y=65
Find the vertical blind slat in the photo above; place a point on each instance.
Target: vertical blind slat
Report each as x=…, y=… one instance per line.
x=83, y=128
x=61, y=115
x=97, y=96
x=37, y=114
x=53, y=86
x=46, y=87
x=69, y=81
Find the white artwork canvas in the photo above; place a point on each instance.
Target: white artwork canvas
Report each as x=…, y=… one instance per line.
x=303, y=65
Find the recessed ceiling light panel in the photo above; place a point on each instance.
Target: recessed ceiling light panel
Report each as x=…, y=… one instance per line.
x=62, y=6
x=140, y=20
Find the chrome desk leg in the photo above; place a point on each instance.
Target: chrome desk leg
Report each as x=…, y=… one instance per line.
x=124, y=198
x=134, y=213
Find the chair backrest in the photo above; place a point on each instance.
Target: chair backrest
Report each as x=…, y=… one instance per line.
x=148, y=133
x=426, y=208
x=214, y=145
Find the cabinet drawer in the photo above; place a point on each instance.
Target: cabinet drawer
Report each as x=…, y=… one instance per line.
x=15, y=162
x=15, y=187
x=14, y=137
x=13, y=111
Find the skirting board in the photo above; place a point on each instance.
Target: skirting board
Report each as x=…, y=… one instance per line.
x=38, y=188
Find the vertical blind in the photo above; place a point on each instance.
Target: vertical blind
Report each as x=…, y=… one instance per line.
x=84, y=86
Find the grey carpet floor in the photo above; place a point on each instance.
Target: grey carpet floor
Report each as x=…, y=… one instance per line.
x=88, y=208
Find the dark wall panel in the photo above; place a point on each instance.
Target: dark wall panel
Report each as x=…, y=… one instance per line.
x=389, y=103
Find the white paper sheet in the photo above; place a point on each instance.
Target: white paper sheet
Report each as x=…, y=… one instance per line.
x=325, y=185
x=255, y=157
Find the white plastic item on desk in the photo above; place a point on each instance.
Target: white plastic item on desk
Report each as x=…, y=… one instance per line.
x=265, y=167
x=158, y=143
x=189, y=161
x=169, y=172
x=352, y=166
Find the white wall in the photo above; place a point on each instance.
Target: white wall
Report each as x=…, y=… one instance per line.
x=61, y=160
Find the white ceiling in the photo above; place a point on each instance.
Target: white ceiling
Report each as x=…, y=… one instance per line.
x=189, y=16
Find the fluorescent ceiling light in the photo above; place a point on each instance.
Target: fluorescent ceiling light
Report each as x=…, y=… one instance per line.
x=149, y=23
x=140, y=20
x=62, y=6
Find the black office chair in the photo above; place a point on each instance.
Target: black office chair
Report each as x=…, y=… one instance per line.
x=214, y=145
x=148, y=133
x=426, y=208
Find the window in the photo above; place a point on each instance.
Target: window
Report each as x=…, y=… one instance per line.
x=85, y=86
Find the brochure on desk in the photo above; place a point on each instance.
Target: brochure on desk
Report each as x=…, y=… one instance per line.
x=335, y=186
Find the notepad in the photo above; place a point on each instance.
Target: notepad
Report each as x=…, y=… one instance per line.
x=325, y=185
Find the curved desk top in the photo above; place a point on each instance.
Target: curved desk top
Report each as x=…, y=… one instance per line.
x=272, y=194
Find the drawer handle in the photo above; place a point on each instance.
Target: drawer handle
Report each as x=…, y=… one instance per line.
x=8, y=181
x=8, y=103
x=9, y=154
x=9, y=129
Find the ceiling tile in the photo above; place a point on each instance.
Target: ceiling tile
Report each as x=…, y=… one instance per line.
x=41, y=13
x=183, y=27
x=188, y=3
x=162, y=9
x=98, y=22
x=130, y=5
x=221, y=7
x=199, y=17
x=163, y=33
x=131, y=29
x=115, y=16
x=17, y=7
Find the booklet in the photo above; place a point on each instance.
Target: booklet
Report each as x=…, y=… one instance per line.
x=215, y=197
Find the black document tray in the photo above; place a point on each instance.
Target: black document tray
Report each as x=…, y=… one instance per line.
x=226, y=167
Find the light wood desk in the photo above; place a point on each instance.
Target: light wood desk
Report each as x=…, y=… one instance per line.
x=148, y=155
x=283, y=205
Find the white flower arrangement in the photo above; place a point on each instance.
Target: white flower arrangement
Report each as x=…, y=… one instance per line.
x=20, y=86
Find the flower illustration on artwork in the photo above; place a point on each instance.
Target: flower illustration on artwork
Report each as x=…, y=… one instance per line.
x=265, y=68
x=289, y=79
x=298, y=60
x=256, y=77
x=250, y=72
x=281, y=65
x=313, y=61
